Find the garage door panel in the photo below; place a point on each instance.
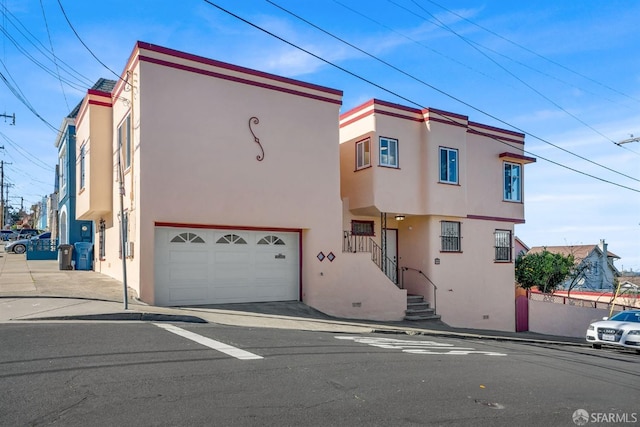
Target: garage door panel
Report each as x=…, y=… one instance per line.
x=199, y=266
x=235, y=257
x=188, y=257
x=188, y=295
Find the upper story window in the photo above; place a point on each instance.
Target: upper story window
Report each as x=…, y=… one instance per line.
x=362, y=228
x=62, y=171
x=124, y=141
x=450, y=236
x=363, y=154
x=503, y=245
x=388, y=152
x=448, y=165
x=83, y=166
x=512, y=182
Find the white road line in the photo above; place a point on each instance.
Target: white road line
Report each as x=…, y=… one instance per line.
x=216, y=345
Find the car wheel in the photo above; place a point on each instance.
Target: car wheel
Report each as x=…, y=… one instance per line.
x=19, y=249
x=597, y=346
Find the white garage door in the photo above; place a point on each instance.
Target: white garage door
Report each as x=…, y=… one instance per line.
x=207, y=266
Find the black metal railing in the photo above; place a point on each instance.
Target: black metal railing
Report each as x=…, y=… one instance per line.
x=356, y=243
x=435, y=288
x=388, y=266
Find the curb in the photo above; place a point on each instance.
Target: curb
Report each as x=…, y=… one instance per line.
x=148, y=317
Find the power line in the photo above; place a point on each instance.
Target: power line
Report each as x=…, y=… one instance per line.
x=29, y=37
x=27, y=155
x=84, y=44
x=46, y=24
x=477, y=49
x=351, y=73
x=26, y=103
x=536, y=53
x=443, y=92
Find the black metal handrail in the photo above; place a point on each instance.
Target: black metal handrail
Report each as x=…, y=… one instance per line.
x=388, y=266
x=435, y=288
x=357, y=243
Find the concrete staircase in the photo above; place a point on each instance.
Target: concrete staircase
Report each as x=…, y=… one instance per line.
x=418, y=309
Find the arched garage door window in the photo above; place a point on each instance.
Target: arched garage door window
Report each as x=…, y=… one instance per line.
x=232, y=239
x=187, y=238
x=271, y=240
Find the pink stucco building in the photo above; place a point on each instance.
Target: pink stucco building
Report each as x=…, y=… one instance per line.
x=234, y=185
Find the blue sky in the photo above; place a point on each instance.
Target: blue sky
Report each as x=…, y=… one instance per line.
x=565, y=73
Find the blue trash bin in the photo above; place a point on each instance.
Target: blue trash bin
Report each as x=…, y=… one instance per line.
x=83, y=252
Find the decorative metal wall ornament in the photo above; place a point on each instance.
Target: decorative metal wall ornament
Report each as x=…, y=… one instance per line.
x=254, y=120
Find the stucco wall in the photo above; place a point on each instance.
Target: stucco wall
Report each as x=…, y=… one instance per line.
x=562, y=319
x=473, y=290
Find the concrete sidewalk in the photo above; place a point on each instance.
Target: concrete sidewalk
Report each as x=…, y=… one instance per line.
x=39, y=290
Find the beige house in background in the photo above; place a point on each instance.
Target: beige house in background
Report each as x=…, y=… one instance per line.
x=242, y=186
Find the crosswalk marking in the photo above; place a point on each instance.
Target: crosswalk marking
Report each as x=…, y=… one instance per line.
x=417, y=347
x=216, y=345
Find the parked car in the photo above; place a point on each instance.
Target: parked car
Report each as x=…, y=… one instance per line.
x=6, y=235
x=26, y=233
x=20, y=246
x=621, y=330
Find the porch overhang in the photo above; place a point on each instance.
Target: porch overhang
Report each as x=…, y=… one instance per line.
x=518, y=158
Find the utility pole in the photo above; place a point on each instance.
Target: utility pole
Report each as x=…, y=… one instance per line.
x=12, y=117
x=5, y=206
x=2, y=199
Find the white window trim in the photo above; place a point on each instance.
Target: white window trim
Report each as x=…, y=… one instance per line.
x=457, y=162
x=509, y=197
x=362, y=160
x=388, y=164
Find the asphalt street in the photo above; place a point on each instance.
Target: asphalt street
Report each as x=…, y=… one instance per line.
x=184, y=374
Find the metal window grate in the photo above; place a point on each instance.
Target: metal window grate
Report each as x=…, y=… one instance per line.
x=450, y=236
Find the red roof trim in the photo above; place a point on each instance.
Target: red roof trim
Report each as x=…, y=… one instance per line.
x=237, y=68
x=224, y=227
x=495, y=129
x=494, y=136
x=356, y=109
x=445, y=113
x=355, y=119
x=525, y=159
x=236, y=79
x=447, y=122
x=496, y=218
x=99, y=93
x=101, y=104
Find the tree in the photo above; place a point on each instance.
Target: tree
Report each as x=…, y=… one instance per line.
x=543, y=270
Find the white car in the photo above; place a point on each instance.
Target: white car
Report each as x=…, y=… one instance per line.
x=621, y=330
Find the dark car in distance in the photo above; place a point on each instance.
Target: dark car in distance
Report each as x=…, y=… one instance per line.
x=26, y=233
x=6, y=235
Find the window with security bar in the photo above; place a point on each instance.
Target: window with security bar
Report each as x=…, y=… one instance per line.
x=450, y=236
x=503, y=245
x=362, y=228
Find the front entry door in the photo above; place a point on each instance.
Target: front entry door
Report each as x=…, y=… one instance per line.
x=392, y=250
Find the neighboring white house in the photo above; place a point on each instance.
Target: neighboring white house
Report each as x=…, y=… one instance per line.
x=598, y=271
